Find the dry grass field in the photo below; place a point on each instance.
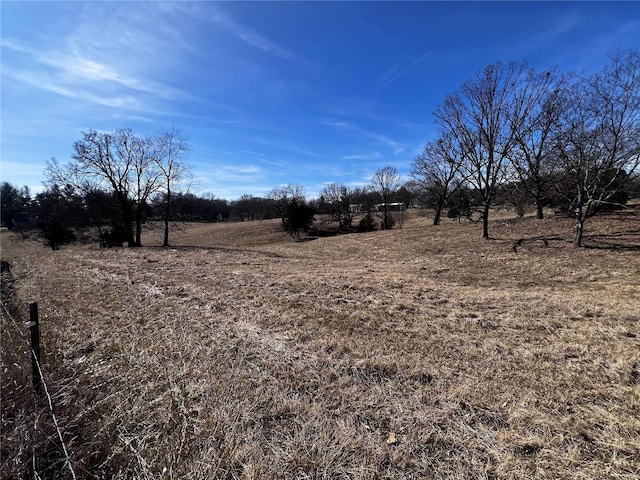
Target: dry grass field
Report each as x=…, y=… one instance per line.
x=415, y=353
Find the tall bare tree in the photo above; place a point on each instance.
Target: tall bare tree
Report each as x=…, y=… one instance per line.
x=437, y=172
x=169, y=148
x=117, y=162
x=336, y=198
x=283, y=196
x=145, y=178
x=96, y=166
x=599, y=146
x=385, y=183
x=536, y=134
x=482, y=118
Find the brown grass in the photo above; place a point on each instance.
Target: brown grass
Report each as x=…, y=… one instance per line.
x=239, y=353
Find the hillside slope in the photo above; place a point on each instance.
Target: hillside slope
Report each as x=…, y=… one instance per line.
x=421, y=352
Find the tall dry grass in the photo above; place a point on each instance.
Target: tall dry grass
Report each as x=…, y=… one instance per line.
x=239, y=353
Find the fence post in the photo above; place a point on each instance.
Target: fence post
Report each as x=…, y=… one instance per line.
x=34, y=327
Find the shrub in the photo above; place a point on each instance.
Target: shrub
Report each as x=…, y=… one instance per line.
x=56, y=234
x=367, y=223
x=298, y=216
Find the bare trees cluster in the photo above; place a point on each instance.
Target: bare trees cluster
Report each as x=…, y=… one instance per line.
x=577, y=137
x=375, y=199
x=128, y=168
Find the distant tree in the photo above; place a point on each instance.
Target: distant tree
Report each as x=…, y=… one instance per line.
x=514, y=193
x=14, y=205
x=461, y=203
x=118, y=162
x=534, y=155
x=482, y=118
x=365, y=198
x=299, y=216
x=385, y=183
x=56, y=234
x=437, y=172
x=632, y=186
x=599, y=148
x=248, y=207
x=405, y=196
x=282, y=197
x=218, y=209
x=335, y=199
x=105, y=215
x=97, y=166
x=244, y=208
x=168, y=150
x=146, y=179
x=58, y=212
x=367, y=223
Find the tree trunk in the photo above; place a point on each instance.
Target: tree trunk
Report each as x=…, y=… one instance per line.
x=577, y=237
x=485, y=222
x=581, y=215
x=138, y=242
x=539, y=212
x=436, y=218
x=165, y=241
x=126, y=219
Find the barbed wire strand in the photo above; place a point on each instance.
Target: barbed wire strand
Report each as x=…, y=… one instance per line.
x=46, y=392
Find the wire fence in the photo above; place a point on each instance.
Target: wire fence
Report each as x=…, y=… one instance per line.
x=41, y=390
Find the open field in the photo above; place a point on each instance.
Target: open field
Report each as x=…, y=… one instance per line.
x=242, y=354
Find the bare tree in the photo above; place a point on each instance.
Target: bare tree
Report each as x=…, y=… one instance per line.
x=336, y=198
x=283, y=196
x=96, y=166
x=169, y=148
x=599, y=146
x=481, y=118
x=437, y=172
x=385, y=182
x=536, y=134
x=118, y=162
x=145, y=180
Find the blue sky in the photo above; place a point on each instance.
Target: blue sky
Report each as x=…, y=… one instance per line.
x=271, y=93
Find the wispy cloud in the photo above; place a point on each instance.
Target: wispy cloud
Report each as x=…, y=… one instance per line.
x=62, y=72
x=50, y=85
x=397, y=71
x=380, y=138
x=289, y=147
x=251, y=37
x=11, y=168
x=364, y=156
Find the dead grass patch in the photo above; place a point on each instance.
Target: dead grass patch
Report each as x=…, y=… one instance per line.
x=238, y=353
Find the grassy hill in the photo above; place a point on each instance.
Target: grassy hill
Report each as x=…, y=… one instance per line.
x=420, y=352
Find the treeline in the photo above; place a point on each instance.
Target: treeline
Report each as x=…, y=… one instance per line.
x=65, y=214
x=62, y=214
x=509, y=136
x=551, y=138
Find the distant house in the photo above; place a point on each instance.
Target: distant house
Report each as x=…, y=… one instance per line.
x=393, y=207
x=355, y=208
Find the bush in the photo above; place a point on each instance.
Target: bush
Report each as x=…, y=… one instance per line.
x=298, y=216
x=56, y=234
x=367, y=224
x=114, y=237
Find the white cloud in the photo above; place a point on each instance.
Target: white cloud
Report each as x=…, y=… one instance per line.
x=379, y=138
x=395, y=72
x=71, y=69
x=364, y=156
x=255, y=39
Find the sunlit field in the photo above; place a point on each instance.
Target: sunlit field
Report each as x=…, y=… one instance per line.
x=419, y=352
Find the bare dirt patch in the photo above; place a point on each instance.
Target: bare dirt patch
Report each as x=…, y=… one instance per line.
x=239, y=353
